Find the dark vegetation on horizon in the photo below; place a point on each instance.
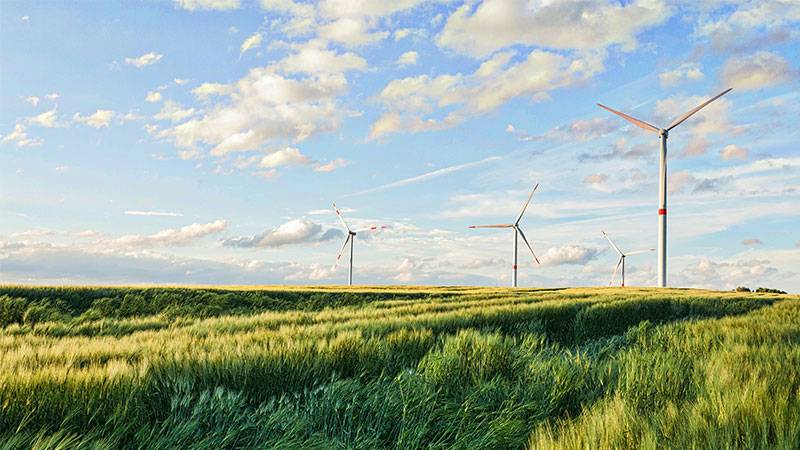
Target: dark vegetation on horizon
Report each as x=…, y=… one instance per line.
x=391, y=368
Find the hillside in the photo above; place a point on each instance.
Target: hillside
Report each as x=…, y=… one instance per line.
x=280, y=367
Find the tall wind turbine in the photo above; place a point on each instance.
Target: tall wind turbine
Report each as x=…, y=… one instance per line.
x=351, y=238
x=663, y=133
x=621, y=260
x=517, y=232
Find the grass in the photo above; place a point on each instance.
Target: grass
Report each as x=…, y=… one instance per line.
x=279, y=367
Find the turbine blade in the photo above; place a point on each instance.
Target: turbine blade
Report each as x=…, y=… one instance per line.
x=339, y=256
x=682, y=118
x=614, y=274
x=503, y=225
x=640, y=251
x=524, y=207
x=529, y=245
x=341, y=219
x=372, y=228
x=612, y=243
x=633, y=120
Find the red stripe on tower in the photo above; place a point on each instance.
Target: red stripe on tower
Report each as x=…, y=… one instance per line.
x=662, y=212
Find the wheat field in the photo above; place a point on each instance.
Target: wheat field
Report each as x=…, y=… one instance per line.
x=384, y=367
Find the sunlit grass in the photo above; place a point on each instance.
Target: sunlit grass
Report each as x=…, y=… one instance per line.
x=377, y=367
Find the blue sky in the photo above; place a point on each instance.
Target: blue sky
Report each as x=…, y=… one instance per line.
x=203, y=141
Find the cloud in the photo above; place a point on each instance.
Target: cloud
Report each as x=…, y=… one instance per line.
x=266, y=107
x=53, y=96
x=144, y=60
x=180, y=81
x=297, y=231
x=749, y=25
x=579, y=130
x=288, y=156
x=171, y=237
x=254, y=41
x=46, y=119
x=757, y=71
x=568, y=254
x=727, y=275
x=597, y=182
x=174, y=112
x=351, y=23
x=153, y=97
x=330, y=166
x=410, y=102
x=99, y=119
x=33, y=100
x=198, y=5
x=688, y=71
x=733, y=151
x=408, y=59
x=751, y=242
x=25, y=18
x=621, y=150
x=20, y=138
x=497, y=24
x=153, y=213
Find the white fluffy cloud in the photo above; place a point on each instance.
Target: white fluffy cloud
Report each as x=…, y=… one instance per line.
x=756, y=71
x=19, y=137
x=173, y=236
x=153, y=97
x=351, y=23
x=254, y=41
x=33, y=100
x=733, y=151
x=409, y=100
x=408, y=59
x=99, y=119
x=568, y=254
x=688, y=71
x=144, y=60
x=174, y=112
x=46, y=119
x=289, y=101
x=495, y=24
x=297, y=231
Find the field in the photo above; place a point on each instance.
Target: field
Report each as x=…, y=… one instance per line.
x=398, y=368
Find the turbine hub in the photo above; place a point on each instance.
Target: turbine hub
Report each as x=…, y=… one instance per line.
x=663, y=132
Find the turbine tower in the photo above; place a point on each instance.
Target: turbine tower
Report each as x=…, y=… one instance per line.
x=517, y=233
x=351, y=237
x=663, y=133
x=621, y=260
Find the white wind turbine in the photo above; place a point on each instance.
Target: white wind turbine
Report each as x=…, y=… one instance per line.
x=351, y=237
x=517, y=232
x=621, y=260
x=663, y=133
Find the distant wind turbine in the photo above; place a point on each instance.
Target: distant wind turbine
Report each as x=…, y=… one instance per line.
x=621, y=260
x=517, y=232
x=351, y=237
x=663, y=133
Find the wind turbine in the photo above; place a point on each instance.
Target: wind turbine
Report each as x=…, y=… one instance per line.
x=517, y=232
x=351, y=237
x=663, y=133
x=621, y=261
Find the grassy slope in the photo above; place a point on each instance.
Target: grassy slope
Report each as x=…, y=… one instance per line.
x=398, y=367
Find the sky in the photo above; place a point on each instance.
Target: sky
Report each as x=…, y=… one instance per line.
x=204, y=141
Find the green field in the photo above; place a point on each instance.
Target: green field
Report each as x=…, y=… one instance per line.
x=469, y=368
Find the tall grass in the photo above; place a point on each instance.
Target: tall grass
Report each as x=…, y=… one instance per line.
x=411, y=368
